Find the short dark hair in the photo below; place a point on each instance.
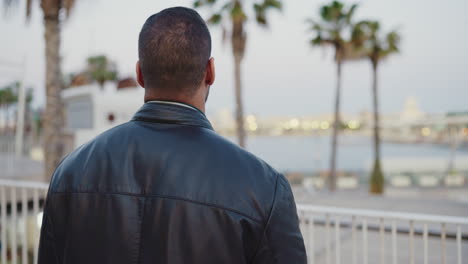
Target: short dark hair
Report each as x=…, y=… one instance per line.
x=174, y=47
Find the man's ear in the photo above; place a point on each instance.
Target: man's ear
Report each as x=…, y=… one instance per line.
x=139, y=75
x=210, y=72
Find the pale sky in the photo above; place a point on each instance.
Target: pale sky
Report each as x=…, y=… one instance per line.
x=282, y=74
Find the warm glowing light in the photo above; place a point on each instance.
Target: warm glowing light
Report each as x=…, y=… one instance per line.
x=251, y=123
x=425, y=131
x=353, y=124
x=251, y=118
x=324, y=125
x=294, y=123
x=465, y=131
x=253, y=127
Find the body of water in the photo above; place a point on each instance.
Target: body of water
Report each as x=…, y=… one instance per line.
x=355, y=153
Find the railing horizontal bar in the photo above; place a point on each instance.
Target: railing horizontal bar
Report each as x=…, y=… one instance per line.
x=383, y=214
x=399, y=230
x=24, y=184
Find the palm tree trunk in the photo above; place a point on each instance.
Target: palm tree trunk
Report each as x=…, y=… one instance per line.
x=53, y=117
x=375, y=97
x=336, y=127
x=377, y=179
x=239, y=103
x=238, y=49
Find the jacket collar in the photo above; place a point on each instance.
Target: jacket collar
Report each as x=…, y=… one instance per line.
x=172, y=113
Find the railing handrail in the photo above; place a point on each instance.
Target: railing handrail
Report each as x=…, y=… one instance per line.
x=394, y=215
x=24, y=184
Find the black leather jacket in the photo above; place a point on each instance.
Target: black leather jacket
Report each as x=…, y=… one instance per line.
x=165, y=188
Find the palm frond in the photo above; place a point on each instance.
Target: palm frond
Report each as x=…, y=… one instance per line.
x=200, y=3
x=260, y=15
x=333, y=27
x=237, y=12
x=317, y=41
x=393, y=41
x=262, y=9
x=367, y=37
x=275, y=4
x=197, y=4
x=325, y=13
x=349, y=15
x=215, y=19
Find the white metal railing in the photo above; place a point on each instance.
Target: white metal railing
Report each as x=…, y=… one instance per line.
x=20, y=220
x=331, y=234
x=377, y=228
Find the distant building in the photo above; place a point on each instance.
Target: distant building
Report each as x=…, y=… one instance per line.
x=90, y=110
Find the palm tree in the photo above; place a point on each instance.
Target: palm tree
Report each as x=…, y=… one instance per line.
x=101, y=69
x=375, y=48
x=53, y=119
x=330, y=31
x=233, y=12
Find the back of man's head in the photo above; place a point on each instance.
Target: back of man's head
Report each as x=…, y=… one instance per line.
x=174, y=48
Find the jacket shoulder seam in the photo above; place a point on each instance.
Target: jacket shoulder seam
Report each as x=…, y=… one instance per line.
x=217, y=206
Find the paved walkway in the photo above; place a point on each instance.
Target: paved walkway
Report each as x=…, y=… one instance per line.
x=440, y=201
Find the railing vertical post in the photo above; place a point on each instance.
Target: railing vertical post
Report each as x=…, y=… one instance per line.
x=311, y=231
x=337, y=241
x=425, y=241
x=382, y=241
x=24, y=214
x=353, y=234
x=364, y=240
x=459, y=245
x=394, y=243
x=36, y=234
x=14, y=244
x=327, y=240
x=443, y=243
x=411, y=242
x=4, y=223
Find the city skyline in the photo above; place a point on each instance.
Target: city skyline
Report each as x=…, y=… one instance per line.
x=432, y=66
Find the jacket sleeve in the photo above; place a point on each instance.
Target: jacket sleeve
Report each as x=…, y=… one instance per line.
x=47, y=252
x=282, y=242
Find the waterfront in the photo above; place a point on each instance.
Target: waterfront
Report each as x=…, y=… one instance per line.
x=311, y=153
